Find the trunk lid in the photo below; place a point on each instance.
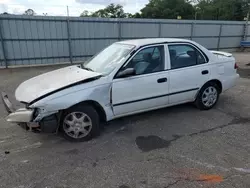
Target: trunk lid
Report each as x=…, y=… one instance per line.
x=46, y=83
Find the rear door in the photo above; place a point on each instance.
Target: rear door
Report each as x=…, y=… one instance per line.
x=189, y=71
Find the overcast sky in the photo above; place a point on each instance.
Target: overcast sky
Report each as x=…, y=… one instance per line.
x=58, y=7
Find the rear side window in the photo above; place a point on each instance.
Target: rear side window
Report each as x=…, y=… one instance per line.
x=184, y=55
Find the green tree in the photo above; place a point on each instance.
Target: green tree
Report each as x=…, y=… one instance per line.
x=186, y=9
x=111, y=11
x=223, y=9
x=168, y=9
x=137, y=15
x=85, y=13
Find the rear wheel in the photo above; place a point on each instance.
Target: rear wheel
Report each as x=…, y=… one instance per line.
x=80, y=123
x=208, y=96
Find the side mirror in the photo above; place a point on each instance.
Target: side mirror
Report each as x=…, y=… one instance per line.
x=126, y=73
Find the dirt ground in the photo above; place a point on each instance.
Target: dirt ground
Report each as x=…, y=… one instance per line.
x=170, y=148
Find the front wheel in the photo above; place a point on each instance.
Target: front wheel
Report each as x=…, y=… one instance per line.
x=207, y=97
x=80, y=123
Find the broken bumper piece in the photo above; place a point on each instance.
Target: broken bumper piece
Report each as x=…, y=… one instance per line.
x=7, y=104
x=22, y=116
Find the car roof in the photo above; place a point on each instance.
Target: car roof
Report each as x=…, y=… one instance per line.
x=148, y=41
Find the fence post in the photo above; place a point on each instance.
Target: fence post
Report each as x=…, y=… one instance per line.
x=119, y=29
x=69, y=37
x=218, y=44
x=192, y=30
x=2, y=43
x=246, y=27
x=159, y=35
x=245, y=31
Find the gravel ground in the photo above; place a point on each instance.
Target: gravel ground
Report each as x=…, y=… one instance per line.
x=173, y=147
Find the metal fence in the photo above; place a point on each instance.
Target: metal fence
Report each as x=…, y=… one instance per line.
x=29, y=40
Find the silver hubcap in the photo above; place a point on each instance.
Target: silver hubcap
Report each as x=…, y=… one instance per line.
x=77, y=124
x=209, y=96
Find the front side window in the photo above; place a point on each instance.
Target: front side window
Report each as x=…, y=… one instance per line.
x=182, y=55
x=108, y=59
x=148, y=60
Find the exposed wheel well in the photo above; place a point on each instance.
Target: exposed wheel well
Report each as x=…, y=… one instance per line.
x=98, y=108
x=95, y=104
x=217, y=82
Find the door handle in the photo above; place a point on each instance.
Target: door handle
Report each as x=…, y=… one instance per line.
x=161, y=80
x=205, y=72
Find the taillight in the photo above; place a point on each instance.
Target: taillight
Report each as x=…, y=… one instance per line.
x=236, y=66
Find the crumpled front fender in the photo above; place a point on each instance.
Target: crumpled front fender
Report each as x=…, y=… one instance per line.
x=71, y=96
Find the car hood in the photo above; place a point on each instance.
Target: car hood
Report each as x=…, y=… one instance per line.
x=47, y=83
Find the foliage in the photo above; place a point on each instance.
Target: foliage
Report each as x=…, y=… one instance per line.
x=186, y=9
x=223, y=9
x=85, y=13
x=111, y=11
x=168, y=9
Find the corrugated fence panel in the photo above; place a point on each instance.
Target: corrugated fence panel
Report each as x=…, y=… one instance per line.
x=173, y=30
x=248, y=38
x=206, y=30
x=53, y=35
x=2, y=63
x=35, y=41
x=232, y=30
x=6, y=34
x=210, y=43
x=89, y=47
x=230, y=42
x=23, y=43
x=45, y=40
x=6, y=29
x=92, y=35
x=134, y=30
x=94, y=30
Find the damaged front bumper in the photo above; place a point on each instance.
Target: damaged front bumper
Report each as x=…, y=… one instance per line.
x=24, y=117
x=21, y=115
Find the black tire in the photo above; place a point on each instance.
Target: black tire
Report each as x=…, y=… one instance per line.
x=91, y=113
x=198, y=102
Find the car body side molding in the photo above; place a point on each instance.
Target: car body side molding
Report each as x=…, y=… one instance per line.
x=159, y=96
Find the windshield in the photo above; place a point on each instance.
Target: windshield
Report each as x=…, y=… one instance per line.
x=108, y=59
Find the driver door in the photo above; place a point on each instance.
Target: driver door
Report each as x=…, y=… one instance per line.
x=148, y=88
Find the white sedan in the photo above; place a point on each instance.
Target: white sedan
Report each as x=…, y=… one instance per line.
x=125, y=78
